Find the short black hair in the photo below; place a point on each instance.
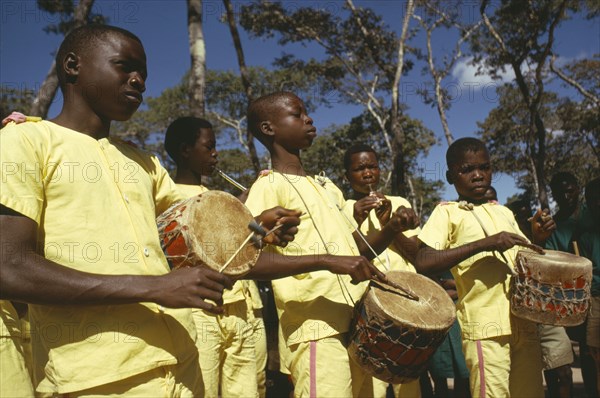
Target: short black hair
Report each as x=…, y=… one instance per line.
x=458, y=148
x=259, y=109
x=82, y=39
x=183, y=130
x=562, y=177
x=357, y=148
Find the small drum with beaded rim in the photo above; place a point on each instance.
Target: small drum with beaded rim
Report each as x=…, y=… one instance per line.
x=393, y=336
x=551, y=288
x=207, y=230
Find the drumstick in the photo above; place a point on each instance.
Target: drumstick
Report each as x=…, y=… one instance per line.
x=362, y=236
x=381, y=280
x=575, y=248
x=231, y=180
x=394, y=287
x=250, y=235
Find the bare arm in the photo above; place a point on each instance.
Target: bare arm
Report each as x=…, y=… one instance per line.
x=429, y=261
x=27, y=276
x=407, y=247
x=274, y=266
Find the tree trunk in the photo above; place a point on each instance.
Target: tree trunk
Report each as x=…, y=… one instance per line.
x=198, y=55
x=245, y=80
x=399, y=172
x=45, y=96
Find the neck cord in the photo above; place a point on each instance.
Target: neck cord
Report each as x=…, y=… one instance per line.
x=343, y=287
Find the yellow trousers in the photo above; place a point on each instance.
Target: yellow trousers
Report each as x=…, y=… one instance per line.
x=15, y=380
x=228, y=346
x=506, y=366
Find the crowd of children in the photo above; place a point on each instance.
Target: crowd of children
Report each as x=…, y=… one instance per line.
x=83, y=268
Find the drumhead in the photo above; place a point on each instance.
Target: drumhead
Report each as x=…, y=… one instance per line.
x=215, y=225
x=554, y=266
x=434, y=310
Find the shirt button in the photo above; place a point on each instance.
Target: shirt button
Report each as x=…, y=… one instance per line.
x=126, y=198
x=146, y=252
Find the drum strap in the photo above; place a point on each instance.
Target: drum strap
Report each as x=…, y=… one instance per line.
x=343, y=287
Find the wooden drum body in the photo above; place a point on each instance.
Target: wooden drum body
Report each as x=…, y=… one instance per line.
x=207, y=230
x=551, y=288
x=392, y=336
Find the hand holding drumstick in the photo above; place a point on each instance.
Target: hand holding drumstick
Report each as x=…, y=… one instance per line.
x=542, y=225
x=282, y=222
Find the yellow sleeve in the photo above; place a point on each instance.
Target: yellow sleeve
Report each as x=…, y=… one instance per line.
x=23, y=169
x=264, y=194
x=165, y=191
x=436, y=231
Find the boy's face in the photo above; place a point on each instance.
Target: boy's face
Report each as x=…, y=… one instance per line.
x=363, y=173
x=291, y=126
x=471, y=175
x=111, y=77
x=202, y=157
x=566, y=195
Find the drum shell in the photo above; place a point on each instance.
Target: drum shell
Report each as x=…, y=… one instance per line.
x=206, y=230
x=552, y=289
x=396, y=347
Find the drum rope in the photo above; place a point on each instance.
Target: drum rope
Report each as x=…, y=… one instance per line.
x=343, y=287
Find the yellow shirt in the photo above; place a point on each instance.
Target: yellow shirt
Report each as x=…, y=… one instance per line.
x=95, y=204
x=241, y=288
x=314, y=305
x=482, y=281
x=391, y=257
x=10, y=325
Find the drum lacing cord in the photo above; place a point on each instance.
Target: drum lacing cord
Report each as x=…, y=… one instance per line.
x=343, y=287
x=464, y=205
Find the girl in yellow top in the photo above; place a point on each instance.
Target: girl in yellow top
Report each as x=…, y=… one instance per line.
x=472, y=238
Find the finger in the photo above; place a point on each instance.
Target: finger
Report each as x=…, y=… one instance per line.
x=376, y=273
x=533, y=247
x=283, y=213
x=288, y=220
x=215, y=280
x=536, y=216
x=215, y=309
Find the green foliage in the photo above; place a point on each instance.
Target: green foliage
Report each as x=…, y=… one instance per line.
x=570, y=147
x=14, y=99
x=347, y=58
x=65, y=9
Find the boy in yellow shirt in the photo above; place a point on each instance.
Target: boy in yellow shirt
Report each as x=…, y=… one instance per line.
x=315, y=306
x=232, y=345
x=80, y=243
x=371, y=210
x=472, y=238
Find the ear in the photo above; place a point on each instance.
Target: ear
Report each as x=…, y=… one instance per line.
x=266, y=129
x=184, y=151
x=70, y=66
x=449, y=177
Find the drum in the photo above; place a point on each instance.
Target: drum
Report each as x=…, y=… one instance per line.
x=207, y=230
x=551, y=288
x=393, y=336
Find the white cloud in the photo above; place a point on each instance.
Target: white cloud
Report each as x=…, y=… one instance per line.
x=465, y=72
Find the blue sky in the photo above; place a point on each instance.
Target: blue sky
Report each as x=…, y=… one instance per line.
x=26, y=52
